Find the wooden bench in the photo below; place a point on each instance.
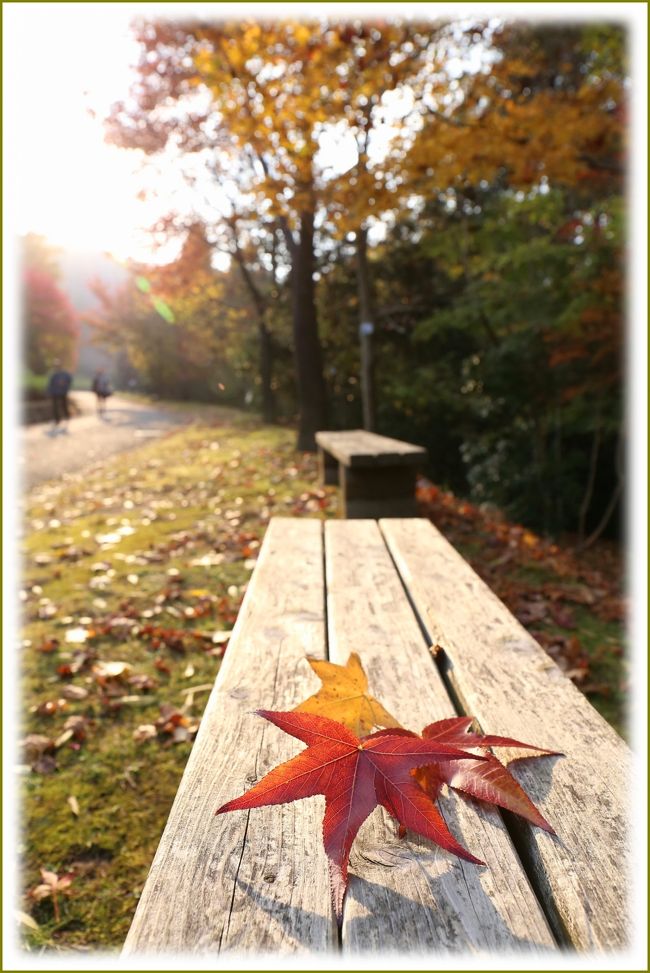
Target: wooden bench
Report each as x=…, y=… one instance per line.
x=376, y=474
x=257, y=881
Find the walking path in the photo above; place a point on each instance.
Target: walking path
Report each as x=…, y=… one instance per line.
x=46, y=453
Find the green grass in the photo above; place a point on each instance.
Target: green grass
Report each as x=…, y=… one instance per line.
x=33, y=383
x=205, y=490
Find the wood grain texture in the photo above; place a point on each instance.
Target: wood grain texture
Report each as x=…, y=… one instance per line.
x=410, y=894
x=504, y=678
x=249, y=880
x=356, y=447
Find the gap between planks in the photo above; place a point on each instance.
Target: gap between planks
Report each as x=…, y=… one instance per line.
x=411, y=894
x=505, y=679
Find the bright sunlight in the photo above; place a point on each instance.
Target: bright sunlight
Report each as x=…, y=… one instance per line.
x=70, y=186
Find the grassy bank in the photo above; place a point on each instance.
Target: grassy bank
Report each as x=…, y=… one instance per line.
x=133, y=577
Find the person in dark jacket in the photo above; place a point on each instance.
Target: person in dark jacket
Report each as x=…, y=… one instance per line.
x=58, y=387
x=102, y=389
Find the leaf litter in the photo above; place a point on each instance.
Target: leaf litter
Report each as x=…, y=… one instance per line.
x=108, y=658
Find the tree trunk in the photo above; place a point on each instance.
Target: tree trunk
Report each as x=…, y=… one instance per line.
x=589, y=489
x=366, y=331
x=265, y=336
x=613, y=500
x=605, y=519
x=307, y=350
x=266, y=372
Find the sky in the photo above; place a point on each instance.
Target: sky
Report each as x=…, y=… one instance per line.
x=69, y=184
x=67, y=64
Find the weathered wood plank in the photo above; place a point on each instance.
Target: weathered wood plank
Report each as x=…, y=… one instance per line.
x=409, y=894
x=357, y=447
x=504, y=678
x=257, y=880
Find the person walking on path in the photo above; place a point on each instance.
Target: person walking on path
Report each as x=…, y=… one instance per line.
x=102, y=389
x=58, y=387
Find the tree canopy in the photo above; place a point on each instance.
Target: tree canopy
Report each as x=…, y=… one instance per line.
x=459, y=182
x=51, y=327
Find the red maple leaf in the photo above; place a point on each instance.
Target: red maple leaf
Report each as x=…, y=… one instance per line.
x=355, y=774
x=484, y=778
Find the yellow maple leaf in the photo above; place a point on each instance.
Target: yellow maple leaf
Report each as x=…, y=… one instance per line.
x=344, y=697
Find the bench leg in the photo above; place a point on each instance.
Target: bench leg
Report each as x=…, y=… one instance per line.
x=328, y=468
x=380, y=491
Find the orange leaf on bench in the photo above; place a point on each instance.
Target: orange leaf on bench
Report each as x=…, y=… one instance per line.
x=344, y=697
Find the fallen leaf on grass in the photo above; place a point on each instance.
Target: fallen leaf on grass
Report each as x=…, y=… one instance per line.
x=46, y=764
x=170, y=638
x=169, y=717
x=355, y=775
x=190, y=692
x=74, y=805
x=132, y=769
x=174, y=724
x=105, y=672
x=52, y=886
x=38, y=751
x=142, y=681
x=208, y=560
x=146, y=731
x=25, y=919
x=49, y=707
x=563, y=617
x=74, y=692
x=36, y=744
x=77, y=725
x=50, y=645
x=121, y=626
x=79, y=662
x=532, y=610
x=46, y=609
x=63, y=738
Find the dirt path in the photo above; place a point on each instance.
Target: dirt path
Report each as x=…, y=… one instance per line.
x=46, y=454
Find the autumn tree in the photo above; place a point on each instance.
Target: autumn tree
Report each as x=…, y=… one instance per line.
x=528, y=158
x=233, y=314
x=272, y=95
x=38, y=253
x=51, y=329
x=547, y=107
x=187, y=328
x=253, y=244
